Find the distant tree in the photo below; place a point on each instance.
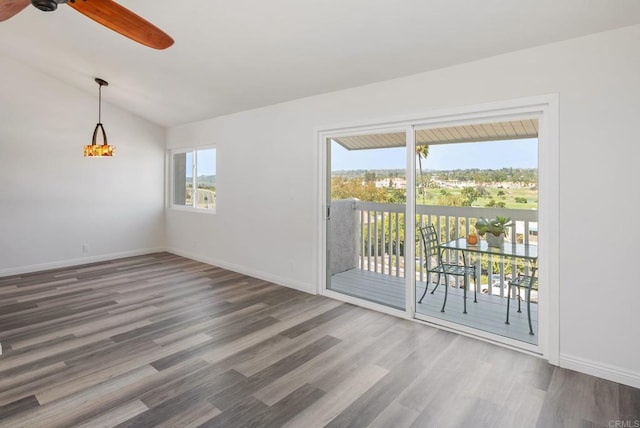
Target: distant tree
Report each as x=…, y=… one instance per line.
x=450, y=200
x=500, y=192
x=396, y=196
x=343, y=188
x=469, y=194
x=482, y=191
x=491, y=203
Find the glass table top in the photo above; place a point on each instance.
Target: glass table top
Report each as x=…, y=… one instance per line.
x=508, y=249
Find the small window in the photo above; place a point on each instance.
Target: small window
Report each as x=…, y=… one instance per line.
x=194, y=179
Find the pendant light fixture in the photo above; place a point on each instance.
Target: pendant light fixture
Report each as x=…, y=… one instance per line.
x=104, y=149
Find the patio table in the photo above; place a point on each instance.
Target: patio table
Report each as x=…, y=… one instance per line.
x=508, y=249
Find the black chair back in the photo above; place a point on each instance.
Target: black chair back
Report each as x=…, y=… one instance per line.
x=430, y=243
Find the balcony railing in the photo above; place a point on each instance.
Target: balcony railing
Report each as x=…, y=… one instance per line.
x=380, y=238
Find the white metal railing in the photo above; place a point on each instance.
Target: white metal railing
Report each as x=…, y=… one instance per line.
x=381, y=238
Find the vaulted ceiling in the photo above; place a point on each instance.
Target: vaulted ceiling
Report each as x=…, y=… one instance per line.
x=236, y=55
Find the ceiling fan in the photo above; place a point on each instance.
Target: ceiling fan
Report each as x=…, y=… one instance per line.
x=105, y=12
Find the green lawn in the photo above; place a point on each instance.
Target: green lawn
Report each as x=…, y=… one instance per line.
x=509, y=196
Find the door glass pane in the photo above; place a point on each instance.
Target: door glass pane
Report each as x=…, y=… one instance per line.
x=182, y=178
x=206, y=179
x=464, y=174
x=366, y=226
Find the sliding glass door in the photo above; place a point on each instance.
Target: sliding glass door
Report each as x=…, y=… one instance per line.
x=466, y=173
x=403, y=225
x=366, y=200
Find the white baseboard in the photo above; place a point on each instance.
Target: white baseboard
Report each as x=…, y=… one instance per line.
x=245, y=270
x=75, y=262
x=307, y=288
x=604, y=371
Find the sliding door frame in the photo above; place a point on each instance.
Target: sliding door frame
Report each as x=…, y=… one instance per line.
x=545, y=108
x=325, y=193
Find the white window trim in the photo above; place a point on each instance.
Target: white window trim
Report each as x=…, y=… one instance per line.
x=171, y=181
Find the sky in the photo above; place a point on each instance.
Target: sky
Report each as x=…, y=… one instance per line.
x=484, y=155
x=206, y=162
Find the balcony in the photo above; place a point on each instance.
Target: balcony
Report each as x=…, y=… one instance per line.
x=367, y=260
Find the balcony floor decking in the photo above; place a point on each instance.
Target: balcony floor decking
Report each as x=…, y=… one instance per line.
x=488, y=314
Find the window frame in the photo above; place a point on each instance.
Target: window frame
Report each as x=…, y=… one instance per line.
x=194, y=171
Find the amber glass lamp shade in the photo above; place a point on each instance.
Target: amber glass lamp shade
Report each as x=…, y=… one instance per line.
x=97, y=150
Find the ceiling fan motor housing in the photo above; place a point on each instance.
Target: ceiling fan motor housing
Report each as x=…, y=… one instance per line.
x=47, y=5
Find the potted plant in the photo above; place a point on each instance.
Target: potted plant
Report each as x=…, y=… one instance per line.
x=495, y=229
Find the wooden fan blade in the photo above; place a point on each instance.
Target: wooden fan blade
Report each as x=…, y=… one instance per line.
x=123, y=21
x=9, y=8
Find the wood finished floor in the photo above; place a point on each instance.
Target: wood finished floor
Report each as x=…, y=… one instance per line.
x=160, y=340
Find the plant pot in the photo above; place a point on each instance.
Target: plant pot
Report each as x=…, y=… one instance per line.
x=495, y=241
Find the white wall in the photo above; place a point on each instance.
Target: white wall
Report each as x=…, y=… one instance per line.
x=267, y=175
x=52, y=199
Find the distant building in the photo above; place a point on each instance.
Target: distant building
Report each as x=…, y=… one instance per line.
x=391, y=183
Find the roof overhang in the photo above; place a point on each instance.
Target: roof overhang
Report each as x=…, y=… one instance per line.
x=510, y=130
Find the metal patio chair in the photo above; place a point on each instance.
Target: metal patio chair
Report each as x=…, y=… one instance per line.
x=528, y=282
x=433, y=252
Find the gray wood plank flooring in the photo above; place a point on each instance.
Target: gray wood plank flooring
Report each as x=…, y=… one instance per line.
x=160, y=340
